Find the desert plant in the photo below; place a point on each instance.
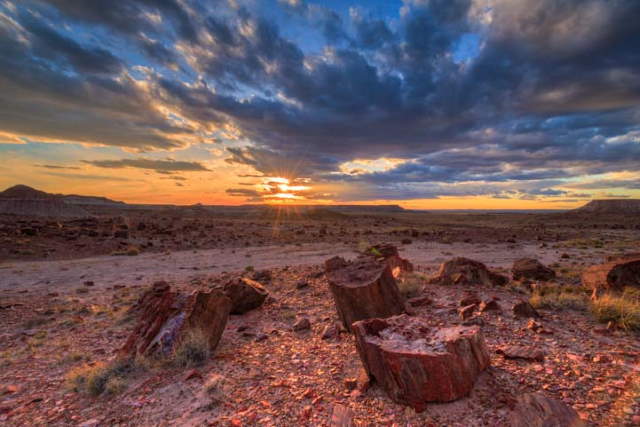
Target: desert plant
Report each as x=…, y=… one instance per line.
x=623, y=310
x=101, y=377
x=194, y=349
x=557, y=297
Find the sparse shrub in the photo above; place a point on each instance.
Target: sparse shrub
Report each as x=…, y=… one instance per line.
x=130, y=251
x=194, y=349
x=100, y=377
x=410, y=284
x=249, y=268
x=623, y=310
x=556, y=297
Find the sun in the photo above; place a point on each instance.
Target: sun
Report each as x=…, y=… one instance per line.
x=278, y=189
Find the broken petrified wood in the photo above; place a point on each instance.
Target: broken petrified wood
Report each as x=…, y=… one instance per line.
x=416, y=363
x=167, y=317
x=532, y=269
x=537, y=410
x=363, y=289
x=245, y=294
x=464, y=271
x=614, y=275
x=391, y=256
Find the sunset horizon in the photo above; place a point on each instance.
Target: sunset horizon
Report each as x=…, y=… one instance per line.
x=483, y=104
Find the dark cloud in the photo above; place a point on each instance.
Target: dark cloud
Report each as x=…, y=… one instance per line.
x=157, y=165
x=551, y=92
x=56, y=167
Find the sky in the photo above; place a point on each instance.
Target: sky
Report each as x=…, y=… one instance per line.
x=430, y=104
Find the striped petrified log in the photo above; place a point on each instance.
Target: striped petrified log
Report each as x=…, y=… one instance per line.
x=416, y=363
x=167, y=317
x=363, y=289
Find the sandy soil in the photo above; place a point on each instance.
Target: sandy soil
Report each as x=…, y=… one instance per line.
x=64, y=275
x=52, y=323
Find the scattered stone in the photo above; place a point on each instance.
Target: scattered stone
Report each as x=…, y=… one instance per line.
x=523, y=310
x=537, y=410
x=341, y=416
x=245, y=294
x=416, y=363
x=363, y=289
x=522, y=352
x=532, y=269
x=468, y=299
x=330, y=331
x=491, y=305
x=464, y=271
x=302, y=324
x=467, y=311
x=420, y=301
x=191, y=374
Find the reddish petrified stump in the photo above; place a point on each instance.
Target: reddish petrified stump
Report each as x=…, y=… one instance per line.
x=245, y=294
x=537, y=410
x=464, y=271
x=614, y=275
x=391, y=256
x=416, y=363
x=167, y=317
x=363, y=289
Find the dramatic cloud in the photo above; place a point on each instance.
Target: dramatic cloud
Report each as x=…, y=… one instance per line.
x=157, y=165
x=507, y=98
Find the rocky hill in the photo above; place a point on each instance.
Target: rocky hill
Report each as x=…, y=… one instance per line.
x=611, y=206
x=26, y=201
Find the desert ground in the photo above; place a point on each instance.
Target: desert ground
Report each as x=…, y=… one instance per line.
x=67, y=288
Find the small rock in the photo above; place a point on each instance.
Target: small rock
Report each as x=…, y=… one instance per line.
x=491, y=305
x=522, y=352
x=302, y=324
x=351, y=383
x=330, y=331
x=466, y=312
x=420, y=301
x=89, y=283
x=301, y=284
x=193, y=373
x=523, y=310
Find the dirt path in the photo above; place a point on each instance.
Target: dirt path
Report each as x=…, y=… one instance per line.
x=56, y=276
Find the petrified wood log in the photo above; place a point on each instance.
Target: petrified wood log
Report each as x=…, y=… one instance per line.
x=245, y=294
x=614, y=275
x=537, y=410
x=416, y=363
x=363, y=289
x=167, y=317
x=464, y=271
x=531, y=268
x=389, y=253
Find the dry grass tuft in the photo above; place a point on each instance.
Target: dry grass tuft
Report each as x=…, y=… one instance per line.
x=623, y=310
x=194, y=350
x=557, y=297
x=109, y=378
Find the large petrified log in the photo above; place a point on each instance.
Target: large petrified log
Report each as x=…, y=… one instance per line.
x=537, y=410
x=614, y=275
x=416, y=363
x=363, y=289
x=166, y=318
x=245, y=294
x=389, y=253
x=531, y=268
x=465, y=271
